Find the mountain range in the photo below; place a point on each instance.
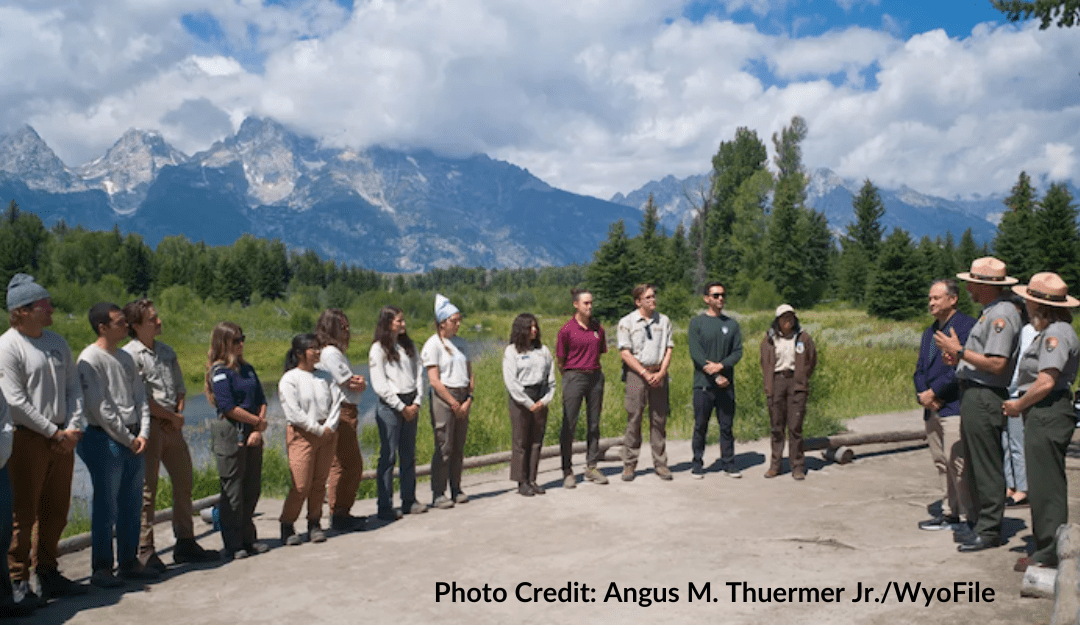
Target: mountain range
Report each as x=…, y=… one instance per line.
x=380, y=208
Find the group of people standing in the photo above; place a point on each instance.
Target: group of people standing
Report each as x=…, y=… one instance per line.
x=987, y=392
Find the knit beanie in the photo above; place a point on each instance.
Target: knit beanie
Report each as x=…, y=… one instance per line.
x=444, y=309
x=22, y=291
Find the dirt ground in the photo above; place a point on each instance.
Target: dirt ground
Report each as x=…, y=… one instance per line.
x=645, y=551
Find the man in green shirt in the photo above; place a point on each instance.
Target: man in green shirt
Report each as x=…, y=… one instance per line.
x=715, y=348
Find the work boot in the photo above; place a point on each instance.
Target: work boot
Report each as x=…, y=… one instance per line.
x=628, y=473
x=54, y=584
x=188, y=551
x=347, y=523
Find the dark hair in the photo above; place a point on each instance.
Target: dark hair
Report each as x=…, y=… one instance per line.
x=385, y=337
x=1051, y=313
x=300, y=344
x=709, y=286
x=519, y=333
x=99, y=315
x=577, y=292
x=221, y=341
x=951, y=287
x=333, y=329
x=135, y=313
x=641, y=289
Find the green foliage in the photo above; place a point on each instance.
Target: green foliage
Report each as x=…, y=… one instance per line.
x=1057, y=240
x=967, y=251
x=897, y=288
x=734, y=164
x=866, y=231
x=613, y=273
x=22, y=243
x=1015, y=242
x=1066, y=12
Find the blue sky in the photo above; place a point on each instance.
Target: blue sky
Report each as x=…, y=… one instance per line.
x=592, y=96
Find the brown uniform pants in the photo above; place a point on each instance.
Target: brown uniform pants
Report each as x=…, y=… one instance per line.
x=527, y=429
x=166, y=447
x=310, y=457
x=41, y=494
x=787, y=409
x=348, y=463
x=638, y=394
x=450, y=433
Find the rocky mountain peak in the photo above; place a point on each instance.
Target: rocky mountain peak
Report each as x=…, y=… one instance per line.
x=272, y=156
x=24, y=154
x=129, y=166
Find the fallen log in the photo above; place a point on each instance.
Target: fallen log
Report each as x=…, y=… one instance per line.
x=838, y=447
x=1066, y=591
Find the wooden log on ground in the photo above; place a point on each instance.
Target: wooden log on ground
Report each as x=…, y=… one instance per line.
x=1066, y=591
x=849, y=440
x=839, y=455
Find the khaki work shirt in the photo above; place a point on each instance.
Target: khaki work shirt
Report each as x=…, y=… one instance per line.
x=646, y=338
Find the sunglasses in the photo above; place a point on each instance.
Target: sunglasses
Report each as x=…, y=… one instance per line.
x=239, y=339
x=716, y=295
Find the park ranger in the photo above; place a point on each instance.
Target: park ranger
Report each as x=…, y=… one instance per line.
x=984, y=369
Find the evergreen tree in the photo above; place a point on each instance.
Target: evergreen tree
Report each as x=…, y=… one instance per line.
x=272, y=271
x=787, y=264
x=819, y=254
x=896, y=289
x=136, y=265
x=968, y=251
x=23, y=243
x=650, y=246
x=1066, y=12
x=866, y=231
x=1056, y=237
x=1014, y=244
x=734, y=163
x=613, y=274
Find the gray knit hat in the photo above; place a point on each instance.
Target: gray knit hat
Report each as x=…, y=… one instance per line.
x=22, y=291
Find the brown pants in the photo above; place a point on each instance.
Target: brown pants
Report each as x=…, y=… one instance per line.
x=166, y=447
x=41, y=494
x=947, y=451
x=638, y=394
x=787, y=409
x=527, y=429
x=310, y=457
x=348, y=463
x=450, y=433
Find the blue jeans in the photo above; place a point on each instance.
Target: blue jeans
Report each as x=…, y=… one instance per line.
x=705, y=401
x=5, y=530
x=1012, y=440
x=397, y=437
x=117, y=476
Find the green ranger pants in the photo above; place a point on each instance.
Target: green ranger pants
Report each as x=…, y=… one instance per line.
x=1048, y=428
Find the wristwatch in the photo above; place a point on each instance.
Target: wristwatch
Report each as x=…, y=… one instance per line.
x=960, y=354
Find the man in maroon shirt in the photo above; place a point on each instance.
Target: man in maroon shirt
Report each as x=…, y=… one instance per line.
x=578, y=347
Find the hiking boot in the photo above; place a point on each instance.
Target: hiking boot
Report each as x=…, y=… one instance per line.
x=628, y=473
x=461, y=498
x=442, y=502
x=568, y=481
x=188, y=551
x=54, y=584
x=393, y=515
x=798, y=474
x=315, y=531
x=539, y=490
x=593, y=475
x=153, y=561
x=525, y=489
x=417, y=509
x=347, y=523
x=289, y=535
x=137, y=571
x=105, y=579
x=664, y=473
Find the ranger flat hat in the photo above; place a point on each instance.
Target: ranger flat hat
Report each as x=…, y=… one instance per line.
x=1048, y=289
x=988, y=270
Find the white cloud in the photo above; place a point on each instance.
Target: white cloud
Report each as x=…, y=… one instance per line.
x=592, y=96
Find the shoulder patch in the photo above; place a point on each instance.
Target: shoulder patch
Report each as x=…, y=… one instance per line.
x=1050, y=343
x=999, y=325
x=219, y=377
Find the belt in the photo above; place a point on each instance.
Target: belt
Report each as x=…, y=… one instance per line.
x=785, y=373
x=966, y=384
x=132, y=429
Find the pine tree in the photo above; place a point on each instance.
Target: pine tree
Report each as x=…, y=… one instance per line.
x=734, y=163
x=1056, y=238
x=896, y=289
x=1014, y=244
x=613, y=274
x=968, y=251
x=861, y=243
x=787, y=264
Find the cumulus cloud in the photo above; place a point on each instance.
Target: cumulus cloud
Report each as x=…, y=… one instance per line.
x=595, y=97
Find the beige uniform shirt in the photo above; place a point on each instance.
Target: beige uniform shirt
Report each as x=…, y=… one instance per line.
x=160, y=372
